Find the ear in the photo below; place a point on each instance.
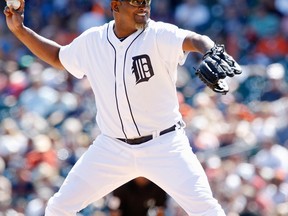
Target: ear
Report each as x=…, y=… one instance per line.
x=115, y=5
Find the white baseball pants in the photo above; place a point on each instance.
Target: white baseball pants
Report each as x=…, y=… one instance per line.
x=166, y=160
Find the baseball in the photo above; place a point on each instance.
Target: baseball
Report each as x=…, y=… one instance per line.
x=14, y=4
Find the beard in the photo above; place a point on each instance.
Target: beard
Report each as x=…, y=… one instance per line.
x=141, y=22
x=140, y=26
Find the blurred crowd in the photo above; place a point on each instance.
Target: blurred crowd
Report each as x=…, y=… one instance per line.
x=48, y=117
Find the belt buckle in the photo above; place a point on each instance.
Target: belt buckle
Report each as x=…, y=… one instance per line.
x=179, y=125
x=155, y=134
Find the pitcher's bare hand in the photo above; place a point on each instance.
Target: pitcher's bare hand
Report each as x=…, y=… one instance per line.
x=14, y=18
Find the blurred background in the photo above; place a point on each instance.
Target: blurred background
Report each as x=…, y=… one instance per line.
x=47, y=116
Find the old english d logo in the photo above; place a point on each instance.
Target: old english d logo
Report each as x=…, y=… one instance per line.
x=142, y=68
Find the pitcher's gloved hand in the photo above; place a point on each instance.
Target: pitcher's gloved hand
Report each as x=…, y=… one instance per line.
x=215, y=67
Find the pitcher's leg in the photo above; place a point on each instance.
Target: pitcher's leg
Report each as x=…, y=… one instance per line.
x=105, y=166
x=192, y=192
x=174, y=167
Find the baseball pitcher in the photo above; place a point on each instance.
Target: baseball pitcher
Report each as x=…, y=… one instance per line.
x=131, y=63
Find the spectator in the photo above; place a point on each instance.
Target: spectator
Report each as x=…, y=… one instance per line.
x=161, y=10
x=90, y=18
x=271, y=155
x=192, y=14
x=5, y=188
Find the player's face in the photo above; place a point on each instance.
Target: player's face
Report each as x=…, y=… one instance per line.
x=136, y=12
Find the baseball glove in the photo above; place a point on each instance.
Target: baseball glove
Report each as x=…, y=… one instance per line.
x=215, y=66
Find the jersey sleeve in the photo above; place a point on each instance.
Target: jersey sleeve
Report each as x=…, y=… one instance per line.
x=71, y=55
x=170, y=40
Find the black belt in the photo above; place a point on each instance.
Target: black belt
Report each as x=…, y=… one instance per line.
x=143, y=139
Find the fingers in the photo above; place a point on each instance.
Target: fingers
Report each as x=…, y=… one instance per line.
x=22, y=5
x=10, y=10
x=235, y=67
x=7, y=11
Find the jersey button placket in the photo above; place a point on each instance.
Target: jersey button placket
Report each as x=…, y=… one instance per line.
x=122, y=100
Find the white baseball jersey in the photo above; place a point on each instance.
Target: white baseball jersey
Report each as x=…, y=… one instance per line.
x=133, y=80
